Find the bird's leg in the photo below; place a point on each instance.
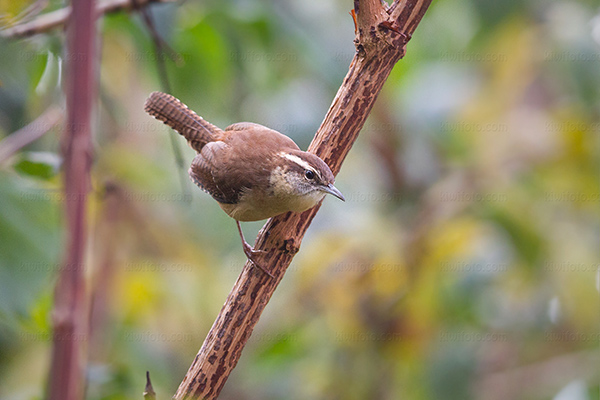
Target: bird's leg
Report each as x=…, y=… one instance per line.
x=250, y=252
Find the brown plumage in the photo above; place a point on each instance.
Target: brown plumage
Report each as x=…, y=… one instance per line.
x=253, y=172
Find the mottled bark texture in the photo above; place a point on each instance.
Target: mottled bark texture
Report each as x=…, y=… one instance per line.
x=381, y=36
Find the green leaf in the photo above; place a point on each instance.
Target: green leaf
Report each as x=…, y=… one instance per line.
x=38, y=165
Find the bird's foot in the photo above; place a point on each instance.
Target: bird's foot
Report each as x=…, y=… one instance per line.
x=252, y=255
x=250, y=252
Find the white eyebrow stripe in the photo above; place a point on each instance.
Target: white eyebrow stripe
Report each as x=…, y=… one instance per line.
x=297, y=160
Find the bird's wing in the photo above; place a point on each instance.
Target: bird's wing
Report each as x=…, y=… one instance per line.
x=210, y=171
x=238, y=162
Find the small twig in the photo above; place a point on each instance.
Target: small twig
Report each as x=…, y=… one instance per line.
x=30, y=133
x=28, y=13
x=380, y=42
x=149, y=393
x=55, y=19
x=160, y=45
x=105, y=249
x=539, y=380
x=385, y=143
x=159, y=49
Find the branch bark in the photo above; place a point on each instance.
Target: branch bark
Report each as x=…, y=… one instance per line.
x=70, y=313
x=58, y=18
x=30, y=133
x=381, y=37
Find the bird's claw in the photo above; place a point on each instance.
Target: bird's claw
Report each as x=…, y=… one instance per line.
x=252, y=254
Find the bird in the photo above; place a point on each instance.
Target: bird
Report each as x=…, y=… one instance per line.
x=253, y=172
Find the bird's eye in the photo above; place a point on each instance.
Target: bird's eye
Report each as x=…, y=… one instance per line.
x=309, y=174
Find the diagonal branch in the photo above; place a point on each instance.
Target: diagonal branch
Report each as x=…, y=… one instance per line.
x=30, y=133
x=58, y=18
x=381, y=37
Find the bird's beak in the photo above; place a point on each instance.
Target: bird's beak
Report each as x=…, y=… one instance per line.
x=333, y=191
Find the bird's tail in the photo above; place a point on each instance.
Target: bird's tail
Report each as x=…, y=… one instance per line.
x=179, y=117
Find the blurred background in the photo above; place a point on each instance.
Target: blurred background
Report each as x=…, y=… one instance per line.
x=463, y=265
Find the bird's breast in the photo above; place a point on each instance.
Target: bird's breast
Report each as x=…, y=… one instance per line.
x=255, y=205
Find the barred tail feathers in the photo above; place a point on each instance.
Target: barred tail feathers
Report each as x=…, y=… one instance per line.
x=180, y=118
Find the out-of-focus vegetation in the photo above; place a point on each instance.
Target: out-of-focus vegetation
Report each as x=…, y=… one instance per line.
x=464, y=263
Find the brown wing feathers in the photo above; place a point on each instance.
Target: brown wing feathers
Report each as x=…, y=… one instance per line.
x=175, y=114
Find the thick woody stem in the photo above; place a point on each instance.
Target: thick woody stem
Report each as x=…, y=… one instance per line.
x=70, y=314
x=381, y=38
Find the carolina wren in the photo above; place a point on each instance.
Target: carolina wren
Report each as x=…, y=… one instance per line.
x=253, y=172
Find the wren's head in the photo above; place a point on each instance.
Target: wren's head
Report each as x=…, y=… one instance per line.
x=303, y=178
